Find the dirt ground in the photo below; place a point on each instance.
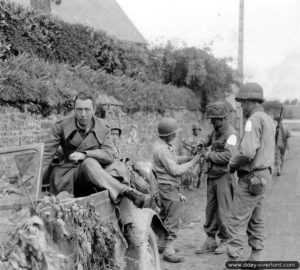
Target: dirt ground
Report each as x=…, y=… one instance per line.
x=191, y=235
x=282, y=218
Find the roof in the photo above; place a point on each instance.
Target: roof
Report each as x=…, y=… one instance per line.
x=105, y=15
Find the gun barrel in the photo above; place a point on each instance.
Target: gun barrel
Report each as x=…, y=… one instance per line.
x=187, y=144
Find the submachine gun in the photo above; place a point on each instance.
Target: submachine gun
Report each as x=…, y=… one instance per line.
x=194, y=150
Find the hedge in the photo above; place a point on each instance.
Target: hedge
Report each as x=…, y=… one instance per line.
x=54, y=40
x=44, y=87
x=93, y=55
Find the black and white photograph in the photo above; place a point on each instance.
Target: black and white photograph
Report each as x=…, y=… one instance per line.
x=149, y=134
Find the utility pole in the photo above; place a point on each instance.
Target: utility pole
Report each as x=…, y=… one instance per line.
x=239, y=112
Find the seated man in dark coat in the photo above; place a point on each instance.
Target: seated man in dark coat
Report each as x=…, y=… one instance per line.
x=87, y=150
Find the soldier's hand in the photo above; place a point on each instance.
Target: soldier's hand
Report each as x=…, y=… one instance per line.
x=77, y=156
x=197, y=158
x=182, y=197
x=206, y=155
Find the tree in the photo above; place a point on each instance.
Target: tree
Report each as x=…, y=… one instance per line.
x=294, y=101
x=210, y=78
x=274, y=107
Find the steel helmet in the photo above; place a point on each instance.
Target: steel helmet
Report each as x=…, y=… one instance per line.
x=217, y=109
x=250, y=91
x=116, y=126
x=196, y=127
x=167, y=126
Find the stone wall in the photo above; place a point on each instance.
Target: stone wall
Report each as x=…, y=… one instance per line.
x=139, y=129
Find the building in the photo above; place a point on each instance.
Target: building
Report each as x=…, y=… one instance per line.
x=105, y=15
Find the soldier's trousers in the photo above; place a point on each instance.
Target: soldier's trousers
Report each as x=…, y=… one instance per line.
x=219, y=201
x=247, y=216
x=171, y=209
x=279, y=158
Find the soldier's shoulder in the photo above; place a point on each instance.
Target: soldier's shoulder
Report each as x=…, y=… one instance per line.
x=256, y=117
x=231, y=128
x=159, y=146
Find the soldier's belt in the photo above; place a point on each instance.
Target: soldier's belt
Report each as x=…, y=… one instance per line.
x=242, y=173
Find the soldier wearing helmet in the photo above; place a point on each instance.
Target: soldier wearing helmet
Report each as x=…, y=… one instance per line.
x=253, y=162
x=115, y=134
x=196, y=129
x=168, y=169
x=282, y=136
x=193, y=176
x=223, y=143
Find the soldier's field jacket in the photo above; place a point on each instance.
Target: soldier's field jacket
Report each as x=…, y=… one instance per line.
x=257, y=148
x=97, y=144
x=223, y=144
x=167, y=166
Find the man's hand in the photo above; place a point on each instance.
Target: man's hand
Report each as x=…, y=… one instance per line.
x=189, y=158
x=77, y=156
x=182, y=197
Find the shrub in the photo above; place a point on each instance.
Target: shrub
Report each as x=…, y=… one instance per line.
x=94, y=54
x=45, y=86
x=54, y=40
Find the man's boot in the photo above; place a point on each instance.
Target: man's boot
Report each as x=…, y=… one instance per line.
x=256, y=255
x=170, y=256
x=209, y=246
x=138, y=198
x=221, y=249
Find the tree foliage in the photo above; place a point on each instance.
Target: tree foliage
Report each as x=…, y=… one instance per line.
x=56, y=41
x=274, y=106
x=210, y=78
x=160, y=76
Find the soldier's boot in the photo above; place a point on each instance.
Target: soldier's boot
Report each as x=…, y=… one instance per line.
x=279, y=169
x=209, y=245
x=138, y=198
x=256, y=255
x=169, y=254
x=161, y=249
x=221, y=249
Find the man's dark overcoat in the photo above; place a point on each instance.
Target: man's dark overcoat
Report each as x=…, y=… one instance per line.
x=97, y=145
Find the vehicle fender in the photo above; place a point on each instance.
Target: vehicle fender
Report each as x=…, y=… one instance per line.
x=145, y=219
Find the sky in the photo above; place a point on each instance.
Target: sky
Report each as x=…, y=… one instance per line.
x=271, y=35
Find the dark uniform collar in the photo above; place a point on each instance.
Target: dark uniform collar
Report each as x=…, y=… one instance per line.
x=99, y=128
x=82, y=130
x=223, y=127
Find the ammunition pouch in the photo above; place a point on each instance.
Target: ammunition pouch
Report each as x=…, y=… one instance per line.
x=257, y=184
